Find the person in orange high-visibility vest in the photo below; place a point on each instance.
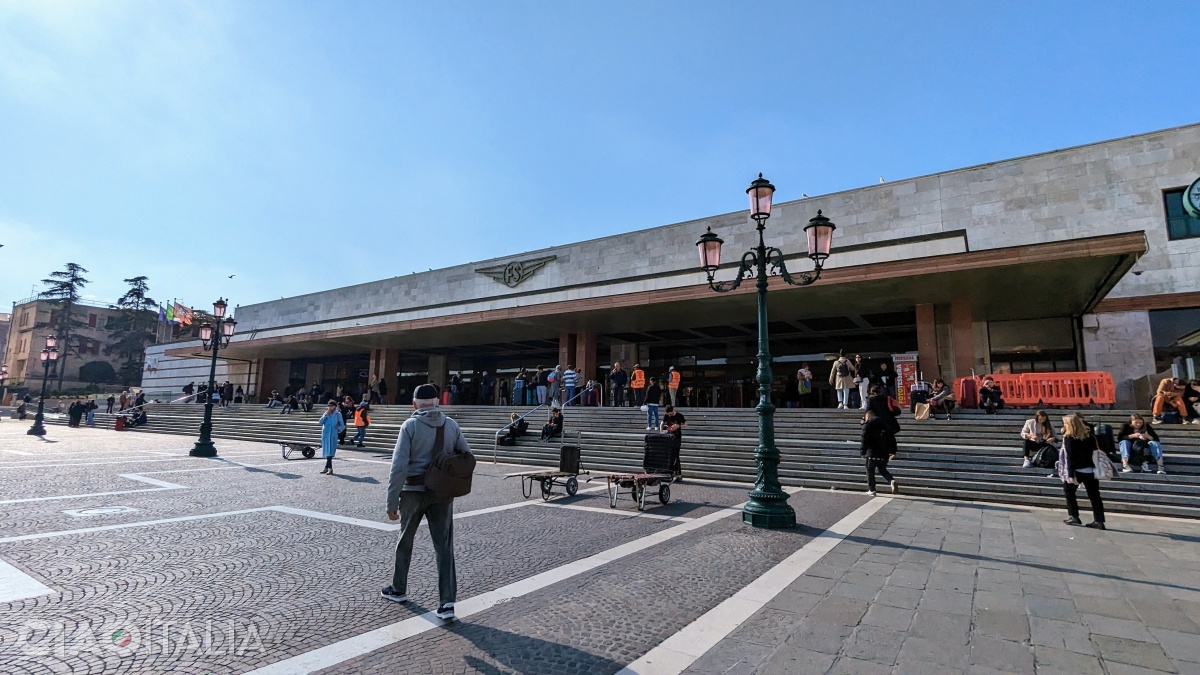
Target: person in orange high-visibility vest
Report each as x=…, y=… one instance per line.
x=638, y=384
x=673, y=379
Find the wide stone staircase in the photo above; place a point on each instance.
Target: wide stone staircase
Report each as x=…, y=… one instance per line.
x=973, y=457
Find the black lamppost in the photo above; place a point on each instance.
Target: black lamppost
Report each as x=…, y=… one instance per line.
x=768, y=505
x=213, y=340
x=3, y=377
x=48, y=355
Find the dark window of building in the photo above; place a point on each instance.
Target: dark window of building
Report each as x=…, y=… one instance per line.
x=1176, y=335
x=91, y=320
x=1180, y=225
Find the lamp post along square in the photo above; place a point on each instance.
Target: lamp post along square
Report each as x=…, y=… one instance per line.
x=768, y=505
x=213, y=339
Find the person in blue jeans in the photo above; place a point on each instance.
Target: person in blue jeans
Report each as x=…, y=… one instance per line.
x=1136, y=434
x=653, y=396
x=571, y=382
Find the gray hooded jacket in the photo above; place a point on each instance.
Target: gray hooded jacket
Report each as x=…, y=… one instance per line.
x=414, y=450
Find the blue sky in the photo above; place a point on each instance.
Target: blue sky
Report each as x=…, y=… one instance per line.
x=303, y=146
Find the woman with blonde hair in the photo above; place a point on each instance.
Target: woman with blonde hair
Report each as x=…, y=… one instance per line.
x=1078, y=446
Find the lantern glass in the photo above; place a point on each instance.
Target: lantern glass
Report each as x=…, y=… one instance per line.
x=219, y=308
x=760, y=192
x=205, y=332
x=51, y=342
x=820, y=237
x=709, y=247
x=45, y=355
x=53, y=354
x=227, y=328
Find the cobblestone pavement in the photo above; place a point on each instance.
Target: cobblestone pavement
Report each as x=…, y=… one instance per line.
x=226, y=565
x=940, y=587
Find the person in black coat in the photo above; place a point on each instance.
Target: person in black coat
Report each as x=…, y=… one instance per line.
x=554, y=427
x=878, y=447
x=1078, y=446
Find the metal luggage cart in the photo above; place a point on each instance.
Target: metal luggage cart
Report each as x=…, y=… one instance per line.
x=287, y=448
x=658, y=463
x=567, y=475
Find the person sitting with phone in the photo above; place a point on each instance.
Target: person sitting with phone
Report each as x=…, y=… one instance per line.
x=1138, y=440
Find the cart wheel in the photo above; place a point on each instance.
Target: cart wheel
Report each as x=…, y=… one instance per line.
x=547, y=487
x=308, y=452
x=664, y=493
x=572, y=486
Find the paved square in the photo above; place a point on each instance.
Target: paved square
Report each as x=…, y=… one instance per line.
x=119, y=553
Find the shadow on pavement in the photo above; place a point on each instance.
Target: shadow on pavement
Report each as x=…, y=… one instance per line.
x=512, y=652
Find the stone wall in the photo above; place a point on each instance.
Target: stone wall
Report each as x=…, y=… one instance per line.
x=1120, y=343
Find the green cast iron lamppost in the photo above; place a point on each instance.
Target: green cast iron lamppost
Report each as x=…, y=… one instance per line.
x=213, y=340
x=768, y=505
x=48, y=356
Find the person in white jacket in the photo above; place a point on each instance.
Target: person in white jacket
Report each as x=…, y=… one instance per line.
x=1035, y=435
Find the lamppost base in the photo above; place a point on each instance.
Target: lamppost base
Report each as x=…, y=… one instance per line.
x=203, y=449
x=778, y=516
x=37, y=430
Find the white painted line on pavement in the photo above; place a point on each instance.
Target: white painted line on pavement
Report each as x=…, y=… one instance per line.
x=153, y=481
x=333, y=517
x=160, y=486
x=16, y=585
x=617, y=512
x=43, y=465
x=681, y=650
x=16, y=452
x=344, y=650
x=122, y=526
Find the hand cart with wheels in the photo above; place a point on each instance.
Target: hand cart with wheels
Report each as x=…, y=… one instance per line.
x=567, y=475
x=661, y=454
x=287, y=448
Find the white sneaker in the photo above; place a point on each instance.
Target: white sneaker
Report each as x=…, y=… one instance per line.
x=1026, y=464
x=445, y=612
x=871, y=492
x=1145, y=467
x=1162, y=471
x=841, y=406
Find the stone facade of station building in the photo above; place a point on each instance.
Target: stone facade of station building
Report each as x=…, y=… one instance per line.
x=1095, y=213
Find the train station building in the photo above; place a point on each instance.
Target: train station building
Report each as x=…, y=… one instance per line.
x=1075, y=259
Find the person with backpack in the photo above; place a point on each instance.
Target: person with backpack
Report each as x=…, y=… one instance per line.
x=1037, y=438
x=417, y=446
x=1137, y=441
x=332, y=425
x=877, y=449
x=841, y=378
x=1078, y=467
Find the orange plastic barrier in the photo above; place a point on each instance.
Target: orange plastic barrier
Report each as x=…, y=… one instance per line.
x=1033, y=389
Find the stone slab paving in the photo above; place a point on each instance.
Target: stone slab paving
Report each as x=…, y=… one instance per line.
x=930, y=587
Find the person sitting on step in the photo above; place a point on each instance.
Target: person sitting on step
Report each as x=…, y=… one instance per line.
x=990, y=396
x=1138, y=440
x=554, y=427
x=942, y=399
x=1169, y=395
x=517, y=428
x=1036, y=435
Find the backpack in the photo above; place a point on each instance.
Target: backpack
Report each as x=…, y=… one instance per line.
x=449, y=474
x=1104, y=439
x=843, y=368
x=1171, y=417
x=1045, y=458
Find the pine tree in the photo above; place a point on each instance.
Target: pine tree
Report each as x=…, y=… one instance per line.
x=63, y=289
x=133, y=329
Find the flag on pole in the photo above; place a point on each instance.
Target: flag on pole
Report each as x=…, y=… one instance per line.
x=183, y=314
x=171, y=313
x=162, y=314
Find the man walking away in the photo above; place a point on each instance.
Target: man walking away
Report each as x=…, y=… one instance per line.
x=878, y=446
x=618, y=378
x=408, y=502
x=488, y=386
x=570, y=383
x=111, y=401
x=841, y=378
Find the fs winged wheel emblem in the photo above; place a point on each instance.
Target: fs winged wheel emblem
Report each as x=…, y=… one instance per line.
x=513, y=273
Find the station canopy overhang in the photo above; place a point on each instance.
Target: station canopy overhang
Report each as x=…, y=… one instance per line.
x=1054, y=279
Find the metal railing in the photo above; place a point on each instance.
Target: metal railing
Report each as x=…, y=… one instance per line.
x=550, y=403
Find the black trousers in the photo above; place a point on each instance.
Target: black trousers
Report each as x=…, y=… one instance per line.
x=618, y=395
x=1092, y=486
x=877, y=464
x=1031, y=447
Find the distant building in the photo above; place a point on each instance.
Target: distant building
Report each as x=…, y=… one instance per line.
x=26, y=334
x=4, y=322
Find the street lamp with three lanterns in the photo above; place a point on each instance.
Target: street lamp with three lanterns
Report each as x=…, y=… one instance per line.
x=768, y=505
x=48, y=355
x=213, y=338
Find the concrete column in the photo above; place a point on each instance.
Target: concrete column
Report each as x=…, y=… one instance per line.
x=585, y=356
x=962, y=338
x=273, y=374
x=625, y=352
x=437, y=371
x=927, y=360
x=566, y=349
x=383, y=366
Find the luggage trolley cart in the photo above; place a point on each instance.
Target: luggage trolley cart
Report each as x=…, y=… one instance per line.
x=567, y=476
x=660, y=457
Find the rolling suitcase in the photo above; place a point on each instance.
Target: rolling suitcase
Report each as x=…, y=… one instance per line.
x=660, y=452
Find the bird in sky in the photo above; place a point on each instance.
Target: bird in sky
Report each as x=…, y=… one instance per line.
x=232, y=276
x=804, y=195
x=881, y=180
